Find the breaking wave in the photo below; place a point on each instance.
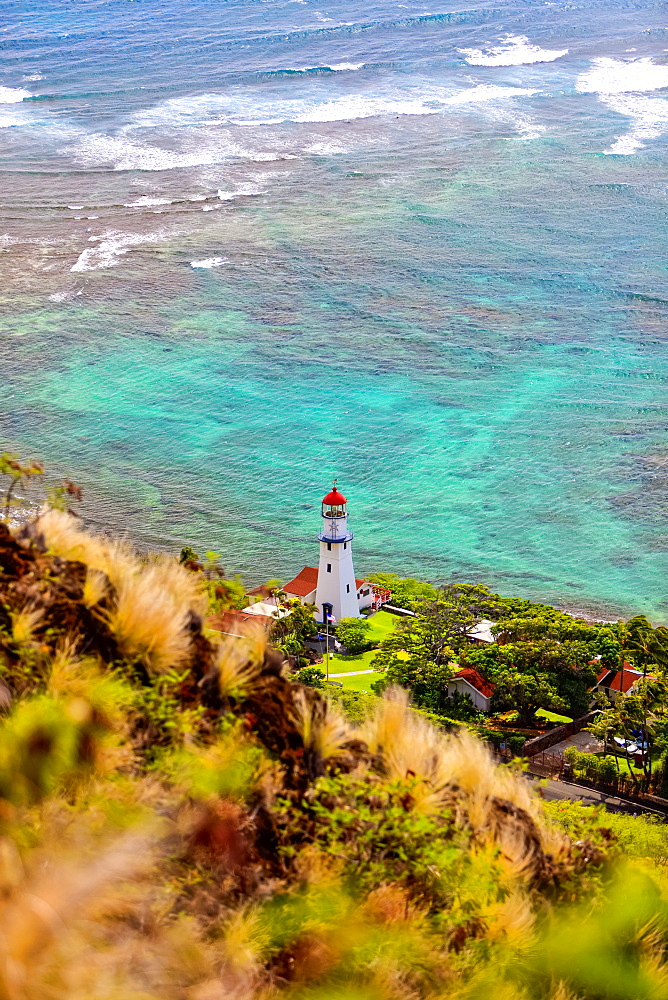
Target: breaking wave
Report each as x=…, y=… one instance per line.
x=616, y=76
x=516, y=50
x=111, y=246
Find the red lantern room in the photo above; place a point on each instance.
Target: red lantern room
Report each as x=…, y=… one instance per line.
x=333, y=505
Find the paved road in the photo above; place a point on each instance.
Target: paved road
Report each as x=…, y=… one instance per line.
x=554, y=790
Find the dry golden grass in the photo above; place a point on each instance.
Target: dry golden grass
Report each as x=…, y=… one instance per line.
x=409, y=745
x=321, y=727
x=24, y=623
x=38, y=914
x=152, y=602
x=149, y=619
x=95, y=587
x=239, y=659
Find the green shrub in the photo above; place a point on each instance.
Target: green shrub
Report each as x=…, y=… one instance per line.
x=590, y=765
x=311, y=676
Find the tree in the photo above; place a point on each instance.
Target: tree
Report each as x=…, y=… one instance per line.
x=354, y=634
x=441, y=625
x=645, y=710
x=406, y=591
x=563, y=668
x=290, y=633
x=17, y=472
x=526, y=693
x=311, y=677
x=644, y=644
x=426, y=680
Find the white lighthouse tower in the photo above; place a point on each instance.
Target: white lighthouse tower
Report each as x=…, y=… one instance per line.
x=336, y=592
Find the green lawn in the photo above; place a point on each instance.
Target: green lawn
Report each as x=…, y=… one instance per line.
x=339, y=664
x=361, y=683
x=381, y=623
x=542, y=713
x=628, y=767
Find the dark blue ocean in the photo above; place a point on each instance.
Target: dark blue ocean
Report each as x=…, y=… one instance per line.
x=246, y=246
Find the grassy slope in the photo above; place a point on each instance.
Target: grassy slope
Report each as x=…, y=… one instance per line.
x=180, y=821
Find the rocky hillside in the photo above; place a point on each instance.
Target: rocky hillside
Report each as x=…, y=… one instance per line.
x=179, y=819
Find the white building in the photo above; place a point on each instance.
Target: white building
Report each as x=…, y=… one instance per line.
x=469, y=682
x=333, y=587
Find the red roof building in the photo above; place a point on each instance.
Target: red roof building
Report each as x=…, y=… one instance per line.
x=303, y=585
x=616, y=682
x=469, y=682
x=236, y=623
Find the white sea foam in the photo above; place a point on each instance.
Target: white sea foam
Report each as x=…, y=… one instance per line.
x=111, y=246
x=619, y=85
x=9, y=120
x=341, y=67
x=615, y=76
x=13, y=95
x=209, y=262
x=245, y=191
x=125, y=154
x=483, y=93
x=649, y=120
x=515, y=50
x=147, y=202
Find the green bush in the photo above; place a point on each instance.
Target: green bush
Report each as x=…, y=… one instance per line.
x=311, y=676
x=354, y=634
x=591, y=765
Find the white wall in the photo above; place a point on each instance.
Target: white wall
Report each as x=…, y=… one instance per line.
x=459, y=685
x=337, y=586
x=366, y=601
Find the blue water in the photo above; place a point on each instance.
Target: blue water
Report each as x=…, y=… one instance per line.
x=246, y=246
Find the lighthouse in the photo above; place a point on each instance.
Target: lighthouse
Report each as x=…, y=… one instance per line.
x=336, y=590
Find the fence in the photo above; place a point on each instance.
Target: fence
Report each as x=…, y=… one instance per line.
x=547, y=740
x=546, y=765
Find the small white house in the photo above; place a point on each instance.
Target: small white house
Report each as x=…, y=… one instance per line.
x=481, y=634
x=469, y=682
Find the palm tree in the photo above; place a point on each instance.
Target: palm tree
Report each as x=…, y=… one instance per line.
x=645, y=644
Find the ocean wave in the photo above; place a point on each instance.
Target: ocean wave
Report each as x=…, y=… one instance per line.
x=489, y=92
x=125, y=154
x=515, y=50
x=146, y=202
x=344, y=66
x=614, y=76
x=8, y=121
x=245, y=191
x=341, y=67
x=13, y=95
x=209, y=262
x=111, y=246
x=649, y=120
x=215, y=110
x=357, y=106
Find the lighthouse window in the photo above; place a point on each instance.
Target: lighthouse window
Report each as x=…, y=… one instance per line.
x=329, y=546
x=345, y=545
x=329, y=567
x=347, y=588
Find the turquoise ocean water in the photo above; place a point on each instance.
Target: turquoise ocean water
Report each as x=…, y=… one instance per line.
x=246, y=246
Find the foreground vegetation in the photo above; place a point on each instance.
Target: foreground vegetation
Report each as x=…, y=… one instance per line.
x=180, y=819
